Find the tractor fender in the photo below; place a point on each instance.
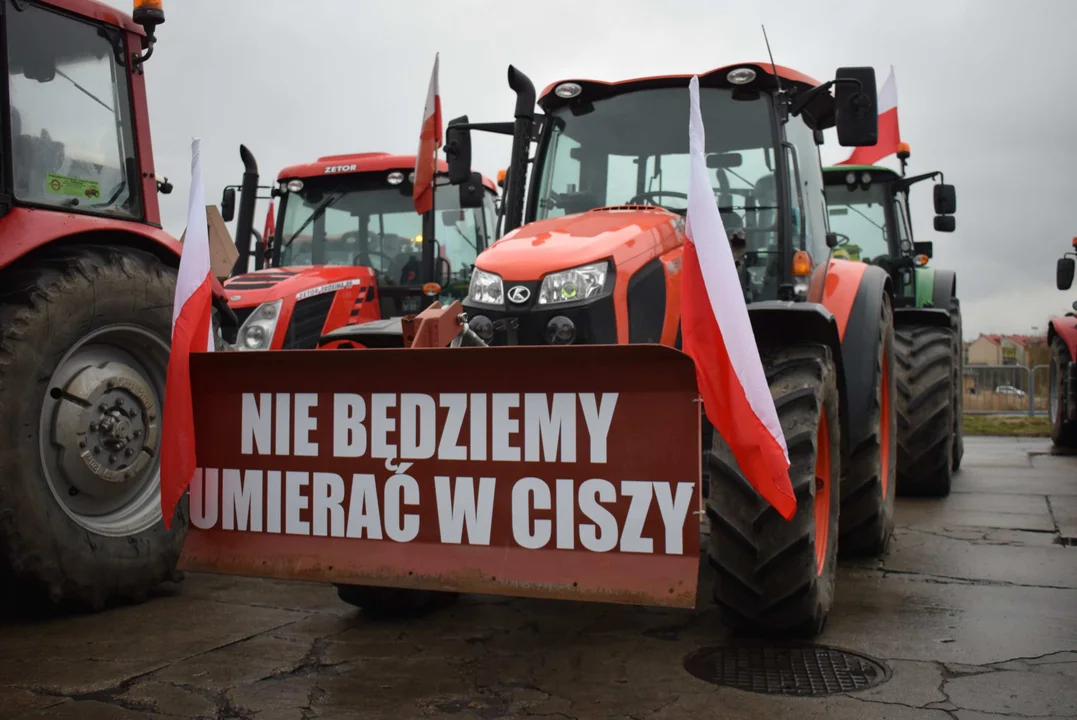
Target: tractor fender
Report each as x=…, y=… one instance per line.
x=36, y=231
x=935, y=317
x=1065, y=328
x=944, y=289
x=778, y=323
x=853, y=292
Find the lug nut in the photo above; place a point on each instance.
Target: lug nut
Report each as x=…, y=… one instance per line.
x=111, y=458
x=128, y=452
x=72, y=491
x=119, y=402
x=137, y=433
x=96, y=449
x=102, y=407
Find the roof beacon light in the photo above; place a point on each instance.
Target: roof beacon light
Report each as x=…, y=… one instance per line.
x=148, y=12
x=567, y=90
x=903, y=151
x=740, y=76
x=396, y=177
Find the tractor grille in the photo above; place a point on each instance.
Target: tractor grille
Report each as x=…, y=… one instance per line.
x=308, y=319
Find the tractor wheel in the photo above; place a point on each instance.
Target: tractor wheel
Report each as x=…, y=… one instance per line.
x=867, y=493
x=776, y=577
x=959, y=387
x=1063, y=430
x=84, y=342
x=925, y=410
x=388, y=602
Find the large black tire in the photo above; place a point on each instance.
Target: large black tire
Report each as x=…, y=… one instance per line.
x=388, y=602
x=54, y=550
x=768, y=580
x=868, y=488
x=1063, y=429
x=925, y=410
x=959, y=386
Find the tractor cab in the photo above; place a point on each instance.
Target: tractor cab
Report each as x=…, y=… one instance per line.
x=592, y=249
x=870, y=221
x=347, y=249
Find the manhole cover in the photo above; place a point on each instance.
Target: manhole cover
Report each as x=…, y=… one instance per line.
x=800, y=670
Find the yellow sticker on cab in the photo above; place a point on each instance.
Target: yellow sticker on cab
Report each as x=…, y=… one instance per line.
x=72, y=187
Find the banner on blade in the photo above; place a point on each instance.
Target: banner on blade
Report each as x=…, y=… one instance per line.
x=563, y=456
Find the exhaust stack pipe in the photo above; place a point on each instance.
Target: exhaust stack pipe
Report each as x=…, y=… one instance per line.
x=248, y=196
x=521, y=149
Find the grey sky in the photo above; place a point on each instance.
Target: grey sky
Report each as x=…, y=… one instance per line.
x=982, y=97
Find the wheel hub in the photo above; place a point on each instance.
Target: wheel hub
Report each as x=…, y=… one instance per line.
x=106, y=428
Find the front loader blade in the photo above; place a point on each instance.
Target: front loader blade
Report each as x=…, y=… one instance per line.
x=562, y=472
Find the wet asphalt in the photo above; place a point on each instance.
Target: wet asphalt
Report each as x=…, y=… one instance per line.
x=973, y=612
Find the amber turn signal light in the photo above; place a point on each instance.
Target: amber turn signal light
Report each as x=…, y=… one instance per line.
x=801, y=263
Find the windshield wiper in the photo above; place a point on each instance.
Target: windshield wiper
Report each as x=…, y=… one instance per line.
x=318, y=212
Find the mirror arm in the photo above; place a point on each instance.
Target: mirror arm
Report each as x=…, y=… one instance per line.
x=906, y=183
x=802, y=101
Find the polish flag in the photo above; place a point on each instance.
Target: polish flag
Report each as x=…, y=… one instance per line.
x=430, y=139
x=717, y=334
x=889, y=134
x=192, y=331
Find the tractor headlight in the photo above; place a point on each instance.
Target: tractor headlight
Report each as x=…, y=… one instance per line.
x=486, y=288
x=256, y=332
x=581, y=283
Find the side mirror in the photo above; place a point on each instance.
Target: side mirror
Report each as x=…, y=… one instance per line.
x=458, y=151
x=444, y=273
x=472, y=192
x=945, y=200
x=944, y=223
x=228, y=204
x=1064, y=273
x=923, y=248
x=856, y=108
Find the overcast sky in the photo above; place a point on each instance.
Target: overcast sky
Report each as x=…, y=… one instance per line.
x=984, y=96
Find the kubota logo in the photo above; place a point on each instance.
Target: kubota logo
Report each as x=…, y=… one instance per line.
x=338, y=169
x=519, y=294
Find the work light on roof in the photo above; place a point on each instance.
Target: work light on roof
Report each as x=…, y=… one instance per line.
x=740, y=76
x=850, y=178
x=295, y=185
x=411, y=177
x=567, y=90
x=396, y=177
x=866, y=178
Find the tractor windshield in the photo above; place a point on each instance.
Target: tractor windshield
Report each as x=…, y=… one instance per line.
x=72, y=144
x=633, y=149
x=858, y=217
x=360, y=219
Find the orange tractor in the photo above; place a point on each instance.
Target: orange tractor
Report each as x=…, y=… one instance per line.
x=347, y=249
x=591, y=256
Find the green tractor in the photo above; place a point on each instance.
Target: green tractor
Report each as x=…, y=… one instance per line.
x=869, y=215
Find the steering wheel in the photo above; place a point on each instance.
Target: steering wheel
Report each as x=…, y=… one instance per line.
x=843, y=239
x=643, y=197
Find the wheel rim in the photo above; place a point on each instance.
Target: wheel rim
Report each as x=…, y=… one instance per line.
x=822, y=492
x=884, y=422
x=1054, y=390
x=99, y=430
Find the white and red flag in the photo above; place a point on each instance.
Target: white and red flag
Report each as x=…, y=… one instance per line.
x=718, y=336
x=889, y=132
x=192, y=331
x=426, y=162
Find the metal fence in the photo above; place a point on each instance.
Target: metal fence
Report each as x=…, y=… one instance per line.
x=1006, y=390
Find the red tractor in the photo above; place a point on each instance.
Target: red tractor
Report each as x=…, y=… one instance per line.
x=87, y=278
x=1062, y=339
x=347, y=249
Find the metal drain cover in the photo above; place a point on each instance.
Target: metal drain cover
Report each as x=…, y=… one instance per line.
x=798, y=670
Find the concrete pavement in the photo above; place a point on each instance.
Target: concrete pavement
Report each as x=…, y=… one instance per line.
x=974, y=610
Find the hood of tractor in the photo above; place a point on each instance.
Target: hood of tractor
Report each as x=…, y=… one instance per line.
x=253, y=289
x=545, y=246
